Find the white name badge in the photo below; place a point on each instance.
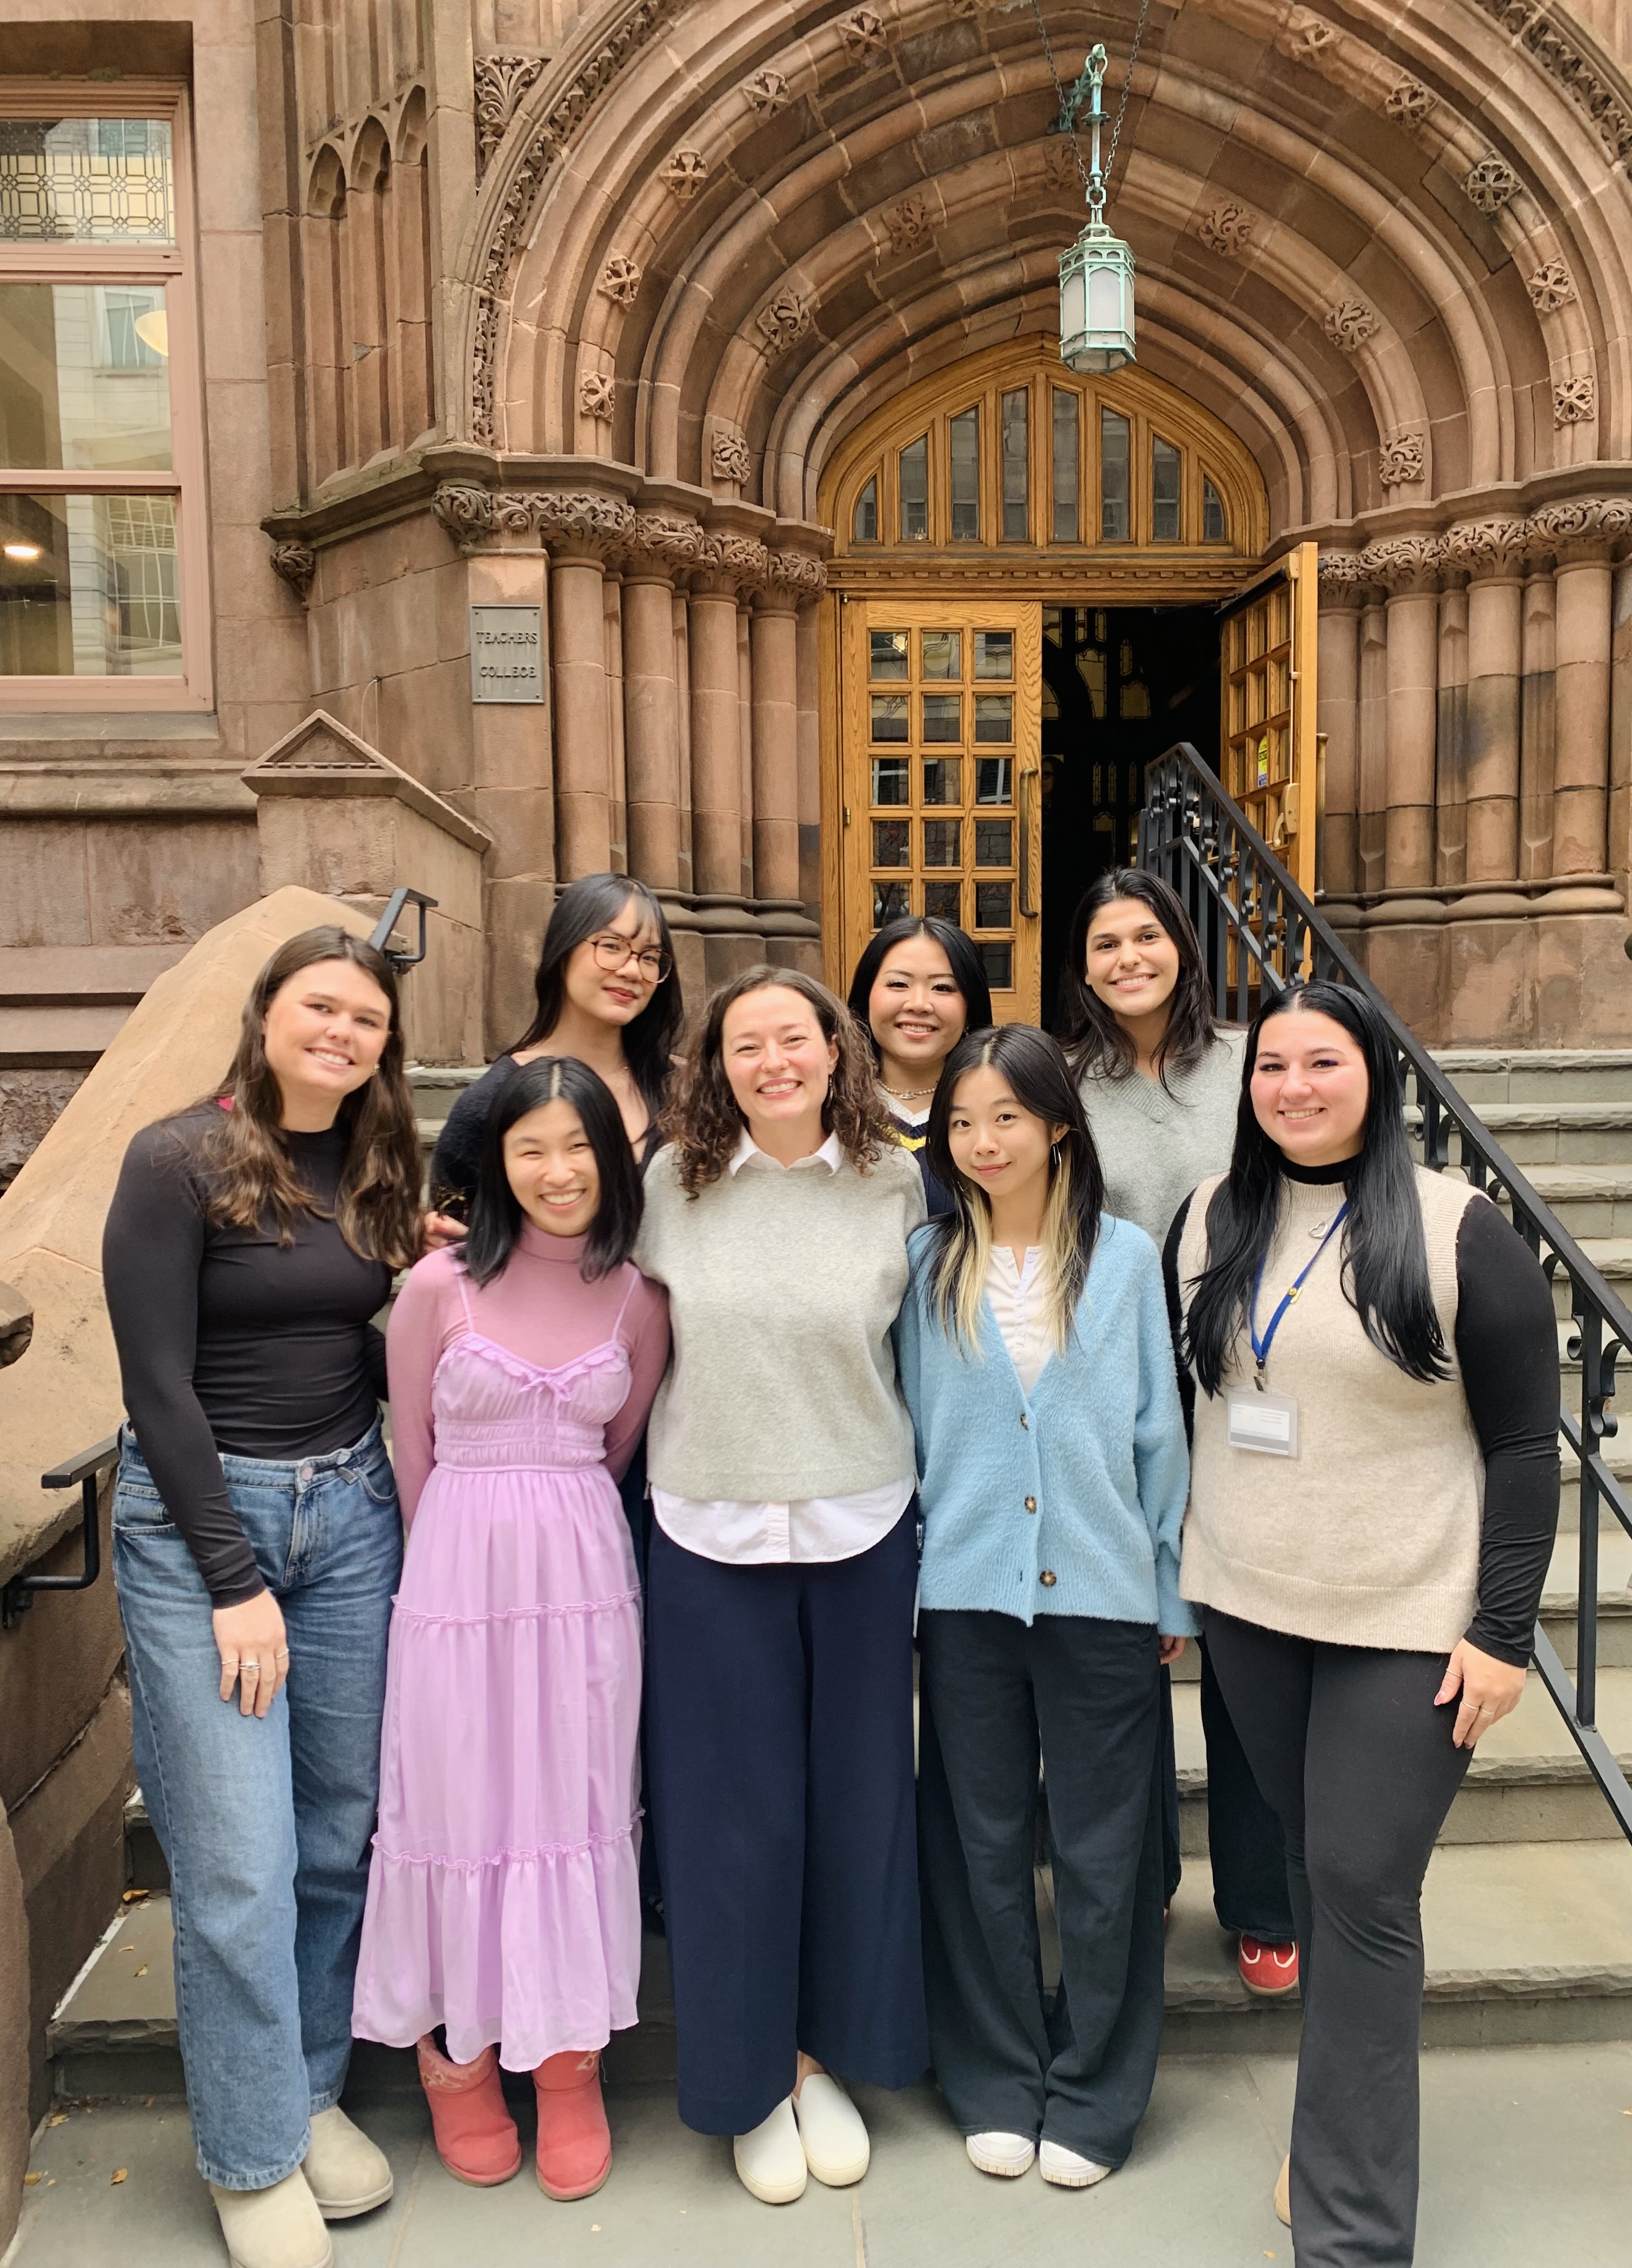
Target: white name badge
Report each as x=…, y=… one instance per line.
x=1265, y=1423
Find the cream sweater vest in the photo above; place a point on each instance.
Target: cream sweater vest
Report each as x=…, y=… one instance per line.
x=1370, y=1536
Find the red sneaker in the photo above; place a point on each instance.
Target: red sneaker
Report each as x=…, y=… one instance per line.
x=575, y=2142
x=1268, y=1971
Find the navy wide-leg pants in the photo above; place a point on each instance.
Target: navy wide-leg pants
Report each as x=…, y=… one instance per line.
x=779, y=1768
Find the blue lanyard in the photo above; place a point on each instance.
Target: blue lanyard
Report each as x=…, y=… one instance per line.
x=1261, y=1346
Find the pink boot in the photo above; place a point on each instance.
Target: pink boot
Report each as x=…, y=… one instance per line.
x=477, y=2138
x=575, y=2142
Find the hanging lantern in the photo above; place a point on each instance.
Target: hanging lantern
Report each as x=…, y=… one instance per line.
x=1097, y=274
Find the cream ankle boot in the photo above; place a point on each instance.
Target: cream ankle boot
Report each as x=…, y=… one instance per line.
x=279, y=2228
x=345, y=2172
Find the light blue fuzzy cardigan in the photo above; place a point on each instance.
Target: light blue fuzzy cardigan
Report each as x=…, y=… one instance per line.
x=1101, y=1452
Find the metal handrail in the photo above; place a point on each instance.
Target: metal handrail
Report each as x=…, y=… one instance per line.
x=86, y=1469
x=379, y=936
x=1257, y=931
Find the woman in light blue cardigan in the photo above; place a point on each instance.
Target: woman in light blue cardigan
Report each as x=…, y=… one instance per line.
x=1035, y=1358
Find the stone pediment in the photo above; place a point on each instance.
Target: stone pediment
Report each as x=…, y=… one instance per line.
x=323, y=757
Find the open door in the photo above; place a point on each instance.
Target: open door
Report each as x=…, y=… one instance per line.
x=941, y=712
x=1267, y=754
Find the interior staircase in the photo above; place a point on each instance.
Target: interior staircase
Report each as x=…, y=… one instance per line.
x=1528, y=1905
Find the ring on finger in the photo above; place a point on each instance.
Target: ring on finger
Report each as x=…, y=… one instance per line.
x=249, y=1669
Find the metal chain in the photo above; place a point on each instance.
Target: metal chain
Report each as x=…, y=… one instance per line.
x=1060, y=93
x=1122, y=107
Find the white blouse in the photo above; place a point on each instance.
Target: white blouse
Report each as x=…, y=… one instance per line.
x=1018, y=1297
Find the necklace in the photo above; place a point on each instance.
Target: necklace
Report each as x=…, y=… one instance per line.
x=906, y=1093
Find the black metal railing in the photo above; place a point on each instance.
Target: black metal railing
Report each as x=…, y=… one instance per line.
x=1257, y=931
x=379, y=936
x=85, y=1471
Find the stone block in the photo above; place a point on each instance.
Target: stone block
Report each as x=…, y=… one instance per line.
x=1489, y=982
x=31, y=1102
x=153, y=884
x=177, y=1041
x=42, y=883
x=14, y=2119
x=57, y=1665
x=517, y=914
x=1583, y=984
x=1404, y=962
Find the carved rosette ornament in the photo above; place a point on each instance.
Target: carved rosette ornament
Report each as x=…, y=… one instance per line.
x=501, y=82
x=782, y=322
x=566, y=114
x=1403, y=457
x=865, y=37
x=1409, y=103
x=685, y=174
x=1491, y=184
x=767, y=91
x=1575, y=400
x=1551, y=287
x=728, y=459
x=1226, y=230
x=598, y=393
x=620, y=279
x=1308, y=35
x=1349, y=325
x=908, y=225
x=296, y=564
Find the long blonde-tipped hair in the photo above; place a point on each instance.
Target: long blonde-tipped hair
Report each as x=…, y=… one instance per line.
x=961, y=1257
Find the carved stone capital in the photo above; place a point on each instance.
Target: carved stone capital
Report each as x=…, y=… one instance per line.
x=1485, y=549
x=579, y=525
x=1341, y=578
x=793, y=574
x=665, y=541
x=296, y=564
x=1403, y=565
x=464, y=510
x=1582, y=527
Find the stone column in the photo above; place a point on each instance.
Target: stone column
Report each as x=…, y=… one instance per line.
x=716, y=751
x=1374, y=765
x=1494, y=552
x=578, y=674
x=1582, y=634
x=651, y=727
x=744, y=742
x=809, y=646
x=617, y=775
x=1450, y=741
x=1337, y=693
x=1537, y=741
x=1408, y=566
x=774, y=663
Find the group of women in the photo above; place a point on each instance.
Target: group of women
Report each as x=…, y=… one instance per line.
x=905, y=1336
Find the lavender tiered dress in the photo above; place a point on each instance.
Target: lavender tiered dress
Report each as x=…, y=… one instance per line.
x=503, y=1897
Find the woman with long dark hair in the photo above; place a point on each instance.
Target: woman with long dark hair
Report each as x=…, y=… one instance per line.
x=1373, y=1496
x=608, y=996
x=918, y=986
x=780, y=1585
x=503, y=1900
x=1161, y=1083
x=256, y=1546
x=1036, y=1362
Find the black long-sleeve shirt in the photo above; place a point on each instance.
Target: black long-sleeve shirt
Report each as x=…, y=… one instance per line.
x=1507, y=1349
x=229, y=1344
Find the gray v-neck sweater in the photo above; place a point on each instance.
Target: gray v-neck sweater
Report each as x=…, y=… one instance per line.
x=1155, y=1145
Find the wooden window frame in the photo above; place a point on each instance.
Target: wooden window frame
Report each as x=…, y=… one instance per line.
x=174, y=267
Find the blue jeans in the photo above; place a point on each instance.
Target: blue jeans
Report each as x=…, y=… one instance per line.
x=266, y=1822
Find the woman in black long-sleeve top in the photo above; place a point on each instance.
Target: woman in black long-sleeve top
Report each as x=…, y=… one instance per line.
x=256, y=1547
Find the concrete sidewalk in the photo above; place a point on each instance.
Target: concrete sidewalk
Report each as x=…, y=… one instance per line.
x=1527, y=2157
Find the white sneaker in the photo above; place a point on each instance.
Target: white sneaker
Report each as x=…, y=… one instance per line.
x=770, y=2160
x=278, y=2228
x=1065, y=2170
x=1008, y=2155
x=831, y=2133
x=1283, y=2199
x=346, y=2173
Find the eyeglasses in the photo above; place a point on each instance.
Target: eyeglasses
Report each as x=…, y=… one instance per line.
x=612, y=952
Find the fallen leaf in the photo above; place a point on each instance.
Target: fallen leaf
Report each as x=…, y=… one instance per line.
x=30, y=2179
x=127, y=1949
x=134, y=1897
x=142, y=1972
x=57, y=2118
x=118, y=2173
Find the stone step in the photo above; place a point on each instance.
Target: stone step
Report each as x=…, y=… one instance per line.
x=1545, y=1075
x=1614, y=1596
x=1527, y=1783
x=1526, y=1943
x=1612, y=1256
x=1592, y=1201
x=1561, y=1133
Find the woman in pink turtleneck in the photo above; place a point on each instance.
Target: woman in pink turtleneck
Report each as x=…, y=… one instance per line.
x=503, y=1903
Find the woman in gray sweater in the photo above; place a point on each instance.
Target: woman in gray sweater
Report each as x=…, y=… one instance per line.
x=780, y=1582
x=1161, y=1084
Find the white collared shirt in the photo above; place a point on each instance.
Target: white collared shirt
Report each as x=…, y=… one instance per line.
x=810, y=1528
x=1017, y=1298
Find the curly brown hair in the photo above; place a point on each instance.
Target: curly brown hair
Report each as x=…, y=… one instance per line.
x=251, y=1172
x=703, y=1121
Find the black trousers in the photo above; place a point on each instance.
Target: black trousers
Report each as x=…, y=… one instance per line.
x=1347, y=1744
x=991, y=1694
x=779, y=1768
x=1243, y=1841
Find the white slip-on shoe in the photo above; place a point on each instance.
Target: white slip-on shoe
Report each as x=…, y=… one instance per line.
x=1008, y=2155
x=1065, y=2170
x=835, y=2141
x=770, y=2160
x=278, y=2228
x=345, y=2172
x=1283, y=2192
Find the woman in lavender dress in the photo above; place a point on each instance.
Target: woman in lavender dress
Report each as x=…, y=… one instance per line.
x=502, y=1926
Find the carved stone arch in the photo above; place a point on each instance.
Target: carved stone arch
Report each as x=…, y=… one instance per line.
x=371, y=154
x=325, y=182
x=411, y=129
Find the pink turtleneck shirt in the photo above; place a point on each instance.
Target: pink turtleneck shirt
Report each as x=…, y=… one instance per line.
x=540, y=1308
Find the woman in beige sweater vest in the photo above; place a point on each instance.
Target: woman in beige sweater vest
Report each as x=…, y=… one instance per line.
x=1374, y=1490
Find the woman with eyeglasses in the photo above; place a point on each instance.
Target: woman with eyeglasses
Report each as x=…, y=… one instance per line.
x=607, y=996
